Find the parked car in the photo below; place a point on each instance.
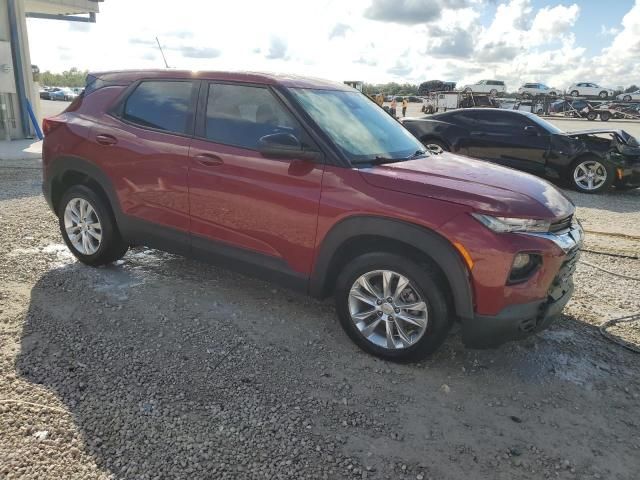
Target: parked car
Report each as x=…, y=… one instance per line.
x=45, y=94
x=493, y=87
x=628, y=97
x=590, y=161
x=586, y=89
x=534, y=89
x=309, y=183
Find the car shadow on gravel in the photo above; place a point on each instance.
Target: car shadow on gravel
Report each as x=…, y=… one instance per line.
x=173, y=369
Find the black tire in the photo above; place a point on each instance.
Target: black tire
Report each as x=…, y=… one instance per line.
x=626, y=98
x=493, y=92
x=603, y=94
x=553, y=94
x=111, y=247
x=610, y=171
x=428, y=284
x=591, y=116
x=433, y=146
x=575, y=93
x=605, y=116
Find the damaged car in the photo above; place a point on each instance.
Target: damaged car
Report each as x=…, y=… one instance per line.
x=589, y=161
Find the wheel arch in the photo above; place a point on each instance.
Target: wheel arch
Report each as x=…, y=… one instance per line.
x=362, y=234
x=65, y=172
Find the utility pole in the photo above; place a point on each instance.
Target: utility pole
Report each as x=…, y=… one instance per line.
x=161, y=52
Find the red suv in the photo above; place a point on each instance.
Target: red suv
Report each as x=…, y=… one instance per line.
x=310, y=183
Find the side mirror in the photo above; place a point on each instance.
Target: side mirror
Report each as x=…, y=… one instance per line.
x=531, y=131
x=285, y=145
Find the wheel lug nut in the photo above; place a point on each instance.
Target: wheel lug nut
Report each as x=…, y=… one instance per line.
x=389, y=299
x=379, y=314
x=378, y=302
x=397, y=310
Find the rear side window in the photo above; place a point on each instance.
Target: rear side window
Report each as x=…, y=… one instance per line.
x=499, y=122
x=164, y=105
x=240, y=115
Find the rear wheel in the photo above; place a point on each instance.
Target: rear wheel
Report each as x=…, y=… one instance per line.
x=493, y=92
x=392, y=307
x=626, y=98
x=575, y=93
x=605, y=116
x=88, y=227
x=591, y=175
x=592, y=116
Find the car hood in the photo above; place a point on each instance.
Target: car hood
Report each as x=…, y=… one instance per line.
x=626, y=137
x=483, y=186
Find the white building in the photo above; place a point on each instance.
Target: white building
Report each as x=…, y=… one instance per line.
x=17, y=89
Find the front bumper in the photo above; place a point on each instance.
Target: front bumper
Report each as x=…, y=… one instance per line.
x=518, y=321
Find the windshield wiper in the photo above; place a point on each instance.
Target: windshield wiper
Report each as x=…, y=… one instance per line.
x=418, y=153
x=381, y=159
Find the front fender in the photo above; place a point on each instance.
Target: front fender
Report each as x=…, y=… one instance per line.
x=438, y=248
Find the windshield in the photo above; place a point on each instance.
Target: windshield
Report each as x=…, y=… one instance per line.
x=362, y=130
x=549, y=127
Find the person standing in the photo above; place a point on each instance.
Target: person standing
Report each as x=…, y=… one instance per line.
x=405, y=104
x=394, y=105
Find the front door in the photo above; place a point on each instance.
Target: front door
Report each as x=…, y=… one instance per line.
x=263, y=210
x=501, y=137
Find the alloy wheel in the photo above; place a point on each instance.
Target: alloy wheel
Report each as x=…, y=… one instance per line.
x=388, y=309
x=590, y=175
x=82, y=226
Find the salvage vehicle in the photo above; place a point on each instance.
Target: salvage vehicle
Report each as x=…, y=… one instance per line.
x=492, y=87
x=586, y=89
x=629, y=96
x=527, y=142
x=309, y=183
x=536, y=89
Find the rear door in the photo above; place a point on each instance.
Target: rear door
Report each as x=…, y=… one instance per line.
x=144, y=148
x=501, y=137
x=258, y=209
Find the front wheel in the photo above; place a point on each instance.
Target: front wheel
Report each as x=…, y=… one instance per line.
x=392, y=307
x=626, y=98
x=603, y=94
x=591, y=116
x=591, y=175
x=88, y=227
x=605, y=116
x=575, y=93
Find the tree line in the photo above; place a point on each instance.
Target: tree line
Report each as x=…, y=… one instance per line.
x=68, y=78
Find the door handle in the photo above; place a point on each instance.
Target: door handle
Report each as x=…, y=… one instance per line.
x=208, y=160
x=104, y=139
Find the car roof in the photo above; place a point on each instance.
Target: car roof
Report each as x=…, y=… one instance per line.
x=287, y=80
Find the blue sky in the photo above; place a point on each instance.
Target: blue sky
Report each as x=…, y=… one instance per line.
x=551, y=41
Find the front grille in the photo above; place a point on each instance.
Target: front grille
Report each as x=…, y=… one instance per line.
x=561, y=225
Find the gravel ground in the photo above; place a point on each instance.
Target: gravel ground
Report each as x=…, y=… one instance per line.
x=162, y=367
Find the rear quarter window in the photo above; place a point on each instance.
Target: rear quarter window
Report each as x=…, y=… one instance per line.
x=163, y=105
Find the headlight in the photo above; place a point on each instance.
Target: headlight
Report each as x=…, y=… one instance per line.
x=504, y=224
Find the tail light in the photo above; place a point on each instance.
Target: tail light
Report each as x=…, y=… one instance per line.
x=49, y=125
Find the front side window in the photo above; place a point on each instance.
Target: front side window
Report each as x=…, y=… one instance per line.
x=360, y=129
x=240, y=115
x=164, y=105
